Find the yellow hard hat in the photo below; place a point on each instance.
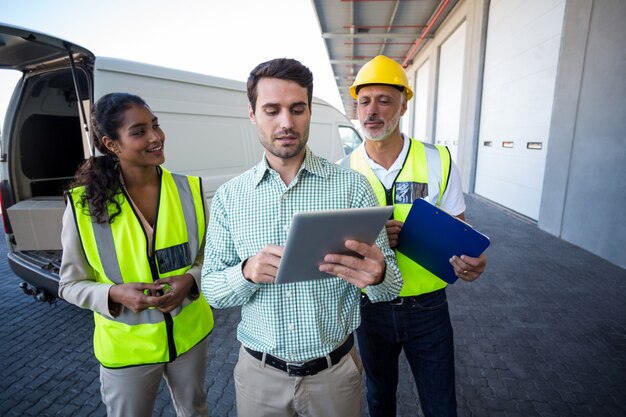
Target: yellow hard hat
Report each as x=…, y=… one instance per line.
x=381, y=70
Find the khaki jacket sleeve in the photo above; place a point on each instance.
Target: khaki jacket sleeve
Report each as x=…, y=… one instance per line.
x=196, y=269
x=77, y=284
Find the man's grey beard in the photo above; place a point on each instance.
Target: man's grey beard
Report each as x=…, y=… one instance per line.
x=389, y=128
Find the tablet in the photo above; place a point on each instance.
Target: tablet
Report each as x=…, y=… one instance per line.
x=430, y=237
x=315, y=234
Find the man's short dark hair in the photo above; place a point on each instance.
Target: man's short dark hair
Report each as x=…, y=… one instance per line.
x=281, y=68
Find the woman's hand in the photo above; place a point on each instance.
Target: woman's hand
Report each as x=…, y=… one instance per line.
x=137, y=296
x=176, y=288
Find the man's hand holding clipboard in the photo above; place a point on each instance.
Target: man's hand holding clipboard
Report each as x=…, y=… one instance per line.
x=437, y=240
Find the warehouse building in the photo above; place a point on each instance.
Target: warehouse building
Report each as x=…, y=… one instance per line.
x=528, y=95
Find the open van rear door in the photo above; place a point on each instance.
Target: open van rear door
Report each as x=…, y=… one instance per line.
x=26, y=50
x=43, y=141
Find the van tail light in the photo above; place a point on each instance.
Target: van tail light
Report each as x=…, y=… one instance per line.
x=6, y=201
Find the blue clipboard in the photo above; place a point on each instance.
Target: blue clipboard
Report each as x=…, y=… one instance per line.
x=430, y=237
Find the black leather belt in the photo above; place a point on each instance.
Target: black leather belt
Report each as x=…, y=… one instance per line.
x=401, y=300
x=307, y=368
x=406, y=300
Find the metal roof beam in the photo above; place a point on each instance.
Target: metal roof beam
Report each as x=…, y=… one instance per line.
x=349, y=61
x=391, y=20
x=328, y=35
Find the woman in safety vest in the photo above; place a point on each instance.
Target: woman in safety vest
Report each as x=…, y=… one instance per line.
x=133, y=243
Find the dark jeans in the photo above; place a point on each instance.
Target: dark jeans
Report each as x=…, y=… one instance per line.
x=421, y=326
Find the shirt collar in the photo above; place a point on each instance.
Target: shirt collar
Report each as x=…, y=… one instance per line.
x=311, y=163
x=314, y=164
x=397, y=164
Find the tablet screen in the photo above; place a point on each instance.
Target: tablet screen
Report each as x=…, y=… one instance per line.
x=315, y=234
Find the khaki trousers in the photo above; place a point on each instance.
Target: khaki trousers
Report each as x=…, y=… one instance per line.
x=132, y=391
x=264, y=391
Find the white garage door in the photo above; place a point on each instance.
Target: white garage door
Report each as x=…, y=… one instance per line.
x=522, y=51
x=450, y=89
x=420, y=101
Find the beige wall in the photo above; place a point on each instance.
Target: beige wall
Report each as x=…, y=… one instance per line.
x=584, y=192
x=473, y=12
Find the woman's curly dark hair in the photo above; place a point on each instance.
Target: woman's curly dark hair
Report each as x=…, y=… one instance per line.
x=101, y=174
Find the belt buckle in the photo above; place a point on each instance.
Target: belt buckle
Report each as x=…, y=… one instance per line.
x=295, y=368
x=397, y=302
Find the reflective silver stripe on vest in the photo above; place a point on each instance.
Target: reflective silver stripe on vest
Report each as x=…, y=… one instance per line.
x=148, y=316
x=104, y=234
x=433, y=160
x=110, y=263
x=106, y=249
x=189, y=211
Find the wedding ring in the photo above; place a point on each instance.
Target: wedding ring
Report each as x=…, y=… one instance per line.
x=465, y=272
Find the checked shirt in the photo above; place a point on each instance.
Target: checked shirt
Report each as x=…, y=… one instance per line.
x=297, y=321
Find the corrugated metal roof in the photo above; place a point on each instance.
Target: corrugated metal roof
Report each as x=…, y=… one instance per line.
x=355, y=31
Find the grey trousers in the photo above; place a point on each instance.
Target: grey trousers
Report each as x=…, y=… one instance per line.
x=266, y=391
x=132, y=391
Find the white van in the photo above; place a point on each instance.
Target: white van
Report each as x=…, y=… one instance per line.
x=44, y=139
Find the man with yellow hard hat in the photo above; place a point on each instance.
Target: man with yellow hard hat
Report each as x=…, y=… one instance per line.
x=401, y=170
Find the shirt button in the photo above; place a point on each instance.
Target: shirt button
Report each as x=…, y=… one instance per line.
x=288, y=293
x=291, y=327
x=286, y=228
x=284, y=196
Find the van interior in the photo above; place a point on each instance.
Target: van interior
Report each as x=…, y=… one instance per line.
x=46, y=148
x=48, y=132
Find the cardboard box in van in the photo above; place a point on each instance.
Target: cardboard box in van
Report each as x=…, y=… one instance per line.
x=37, y=223
x=44, y=138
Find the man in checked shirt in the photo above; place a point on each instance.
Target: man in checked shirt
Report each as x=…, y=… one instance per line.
x=297, y=355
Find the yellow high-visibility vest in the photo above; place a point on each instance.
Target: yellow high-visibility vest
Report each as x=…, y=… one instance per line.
x=425, y=173
x=118, y=253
